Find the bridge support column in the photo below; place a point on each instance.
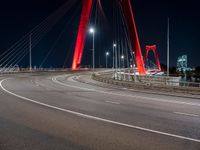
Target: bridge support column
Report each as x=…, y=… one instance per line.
x=152, y=48
x=80, y=41
x=128, y=13
x=82, y=31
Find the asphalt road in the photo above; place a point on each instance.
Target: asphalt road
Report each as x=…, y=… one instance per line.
x=58, y=112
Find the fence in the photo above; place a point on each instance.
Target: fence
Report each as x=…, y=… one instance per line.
x=156, y=80
x=165, y=84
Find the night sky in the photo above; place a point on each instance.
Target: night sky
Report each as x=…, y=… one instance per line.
x=19, y=17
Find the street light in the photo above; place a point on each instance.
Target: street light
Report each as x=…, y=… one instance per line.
x=123, y=66
x=114, y=59
x=107, y=54
x=122, y=58
x=92, y=31
x=134, y=66
x=114, y=45
x=30, y=52
x=115, y=51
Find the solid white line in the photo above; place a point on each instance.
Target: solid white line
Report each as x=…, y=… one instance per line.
x=126, y=95
x=186, y=114
x=113, y=102
x=98, y=118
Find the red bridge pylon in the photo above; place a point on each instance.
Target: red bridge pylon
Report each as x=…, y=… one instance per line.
x=83, y=26
x=82, y=31
x=154, y=49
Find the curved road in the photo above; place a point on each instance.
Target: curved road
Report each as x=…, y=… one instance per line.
x=70, y=111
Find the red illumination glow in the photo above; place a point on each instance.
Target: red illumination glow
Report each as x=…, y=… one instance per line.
x=127, y=9
x=154, y=49
x=128, y=13
x=82, y=30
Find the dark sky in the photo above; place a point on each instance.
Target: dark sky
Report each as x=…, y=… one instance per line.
x=19, y=17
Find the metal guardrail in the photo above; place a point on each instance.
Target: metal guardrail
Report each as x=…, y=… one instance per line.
x=40, y=70
x=25, y=70
x=166, y=87
x=159, y=80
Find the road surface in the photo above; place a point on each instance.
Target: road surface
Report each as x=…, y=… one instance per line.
x=47, y=111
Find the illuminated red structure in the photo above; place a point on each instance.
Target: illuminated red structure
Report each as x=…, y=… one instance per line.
x=82, y=30
x=128, y=13
x=154, y=49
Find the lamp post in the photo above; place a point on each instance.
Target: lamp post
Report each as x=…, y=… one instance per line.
x=123, y=67
x=114, y=46
x=122, y=58
x=114, y=61
x=30, y=52
x=92, y=31
x=134, y=66
x=107, y=54
x=168, y=48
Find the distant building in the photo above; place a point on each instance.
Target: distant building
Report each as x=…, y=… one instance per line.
x=182, y=64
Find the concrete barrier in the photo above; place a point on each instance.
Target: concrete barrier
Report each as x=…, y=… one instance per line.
x=107, y=78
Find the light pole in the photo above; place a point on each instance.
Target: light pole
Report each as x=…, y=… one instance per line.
x=123, y=67
x=122, y=58
x=168, y=46
x=107, y=54
x=114, y=54
x=114, y=45
x=30, y=52
x=134, y=66
x=92, y=31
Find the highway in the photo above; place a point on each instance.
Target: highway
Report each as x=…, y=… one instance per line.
x=64, y=111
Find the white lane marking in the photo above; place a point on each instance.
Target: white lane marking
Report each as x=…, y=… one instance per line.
x=75, y=77
x=35, y=83
x=54, y=79
x=98, y=118
x=124, y=88
x=32, y=82
x=113, y=102
x=186, y=114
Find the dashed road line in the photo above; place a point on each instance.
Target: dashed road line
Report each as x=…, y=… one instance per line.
x=186, y=114
x=117, y=103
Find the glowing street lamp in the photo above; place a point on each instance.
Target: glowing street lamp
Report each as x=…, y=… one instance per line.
x=122, y=58
x=107, y=54
x=114, y=46
x=92, y=31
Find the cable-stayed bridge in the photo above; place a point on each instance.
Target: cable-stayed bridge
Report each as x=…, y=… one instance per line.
x=125, y=37
x=120, y=107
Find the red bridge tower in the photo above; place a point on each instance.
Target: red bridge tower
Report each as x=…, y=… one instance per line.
x=80, y=41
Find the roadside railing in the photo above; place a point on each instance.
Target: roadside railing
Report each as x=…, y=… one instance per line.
x=157, y=80
x=166, y=84
x=25, y=70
